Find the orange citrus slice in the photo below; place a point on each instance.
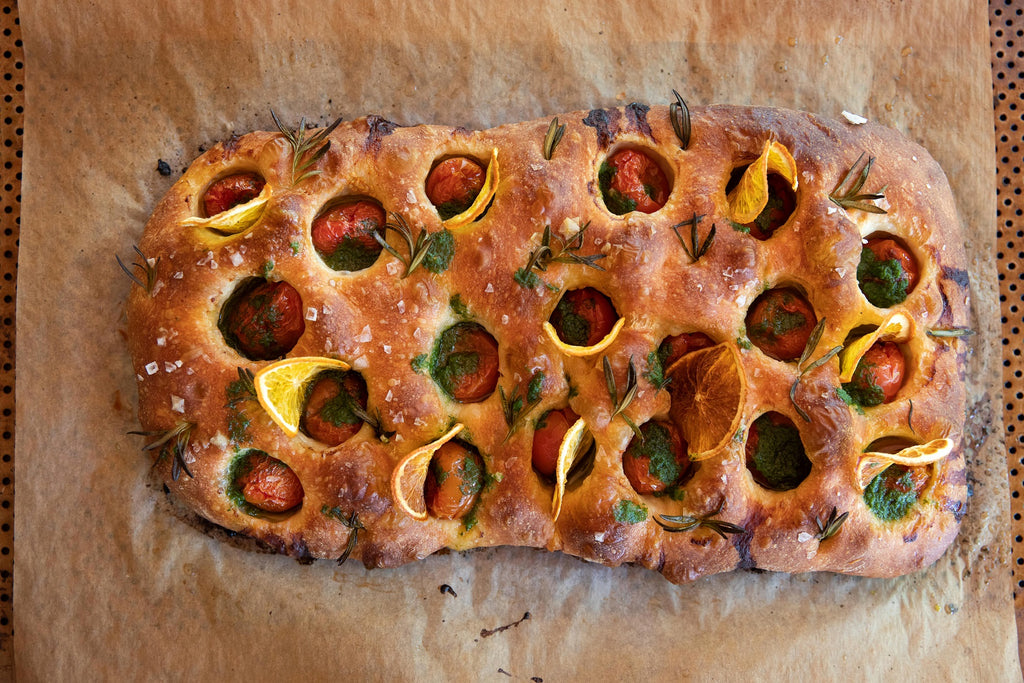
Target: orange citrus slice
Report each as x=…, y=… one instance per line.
x=409, y=477
x=237, y=219
x=281, y=387
x=576, y=442
x=896, y=328
x=872, y=464
x=483, y=198
x=708, y=389
x=750, y=196
x=580, y=351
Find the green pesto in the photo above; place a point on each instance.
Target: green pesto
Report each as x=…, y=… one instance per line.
x=743, y=342
x=891, y=494
x=777, y=320
x=848, y=399
x=447, y=366
x=350, y=254
x=471, y=474
x=628, y=512
x=458, y=306
x=239, y=466
x=861, y=389
x=780, y=456
x=574, y=328
x=421, y=363
x=440, y=252
x=883, y=281
x=268, y=268
x=655, y=373
x=340, y=410
x=527, y=279
x=238, y=425
x=739, y=227
x=296, y=248
x=616, y=202
x=534, y=387
x=657, y=446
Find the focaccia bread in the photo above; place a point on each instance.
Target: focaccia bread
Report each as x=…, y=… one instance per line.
x=717, y=298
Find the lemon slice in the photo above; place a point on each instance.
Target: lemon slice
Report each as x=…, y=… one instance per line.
x=580, y=351
x=896, y=327
x=871, y=464
x=750, y=196
x=483, y=198
x=281, y=387
x=708, y=390
x=576, y=442
x=410, y=475
x=237, y=219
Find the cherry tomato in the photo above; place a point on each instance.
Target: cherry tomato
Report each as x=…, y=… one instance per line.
x=454, y=480
x=675, y=347
x=583, y=317
x=634, y=183
x=269, y=484
x=328, y=416
x=888, y=249
x=453, y=185
x=343, y=235
x=780, y=322
x=467, y=363
x=775, y=453
x=879, y=375
x=231, y=191
x=548, y=438
x=264, y=321
x=780, y=206
x=657, y=462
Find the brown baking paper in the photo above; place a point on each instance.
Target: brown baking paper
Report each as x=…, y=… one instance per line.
x=111, y=581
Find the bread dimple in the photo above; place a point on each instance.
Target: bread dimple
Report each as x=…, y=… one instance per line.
x=386, y=326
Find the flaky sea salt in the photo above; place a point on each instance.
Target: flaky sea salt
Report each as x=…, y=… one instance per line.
x=236, y=259
x=152, y=368
x=365, y=336
x=311, y=314
x=803, y=537
x=855, y=119
x=177, y=404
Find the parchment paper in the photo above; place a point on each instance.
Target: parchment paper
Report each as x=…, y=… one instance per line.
x=111, y=583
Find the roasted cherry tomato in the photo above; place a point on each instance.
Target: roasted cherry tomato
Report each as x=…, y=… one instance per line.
x=892, y=493
x=343, y=235
x=583, y=317
x=879, y=375
x=780, y=322
x=780, y=206
x=675, y=347
x=454, y=480
x=329, y=415
x=548, y=438
x=632, y=181
x=269, y=484
x=263, y=320
x=658, y=461
x=231, y=191
x=453, y=185
x=775, y=454
x=887, y=272
x=466, y=363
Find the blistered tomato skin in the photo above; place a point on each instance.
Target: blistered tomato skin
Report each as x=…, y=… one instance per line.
x=453, y=185
x=548, y=438
x=343, y=235
x=467, y=366
x=880, y=370
x=265, y=322
x=780, y=322
x=270, y=485
x=231, y=191
x=675, y=347
x=637, y=181
x=328, y=416
x=886, y=249
x=659, y=461
x=453, y=481
x=584, y=317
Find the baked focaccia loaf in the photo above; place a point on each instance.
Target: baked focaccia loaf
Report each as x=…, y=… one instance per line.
x=695, y=342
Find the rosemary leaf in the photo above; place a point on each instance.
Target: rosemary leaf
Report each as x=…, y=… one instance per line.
x=544, y=255
x=696, y=248
x=952, y=332
x=831, y=526
x=679, y=113
x=180, y=435
x=306, y=151
x=680, y=523
x=148, y=270
x=851, y=197
x=553, y=137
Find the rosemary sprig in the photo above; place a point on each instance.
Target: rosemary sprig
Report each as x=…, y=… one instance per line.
x=620, y=404
x=697, y=248
x=679, y=113
x=242, y=389
x=419, y=246
x=351, y=521
x=910, y=415
x=852, y=198
x=564, y=251
x=952, y=332
x=306, y=151
x=812, y=343
x=515, y=407
x=179, y=435
x=831, y=526
x=375, y=421
x=148, y=270
x=553, y=137
x=678, y=523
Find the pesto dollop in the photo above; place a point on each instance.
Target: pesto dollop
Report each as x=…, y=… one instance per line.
x=883, y=281
x=779, y=455
x=892, y=493
x=657, y=446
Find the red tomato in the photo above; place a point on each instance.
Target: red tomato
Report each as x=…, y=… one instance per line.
x=662, y=444
x=269, y=484
x=893, y=478
x=882, y=366
x=886, y=249
x=583, y=317
x=264, y=322
x=328, y=415
x=780, y=322
x=343, y=235
x=467, y=365
x=547, y=439
x=454, y=480
x=679, y=345
x=637, y=178
x=453, y=185
x=231, y=191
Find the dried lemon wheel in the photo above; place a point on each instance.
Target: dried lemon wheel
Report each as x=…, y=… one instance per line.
x=895, y=328
x=750, y=196
x=483, y=198
x=708, y=391
x=580, y=351
x=409, y=477
x=237, y=219
x=576, y=442
x=872, y=464
x=281, y=387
